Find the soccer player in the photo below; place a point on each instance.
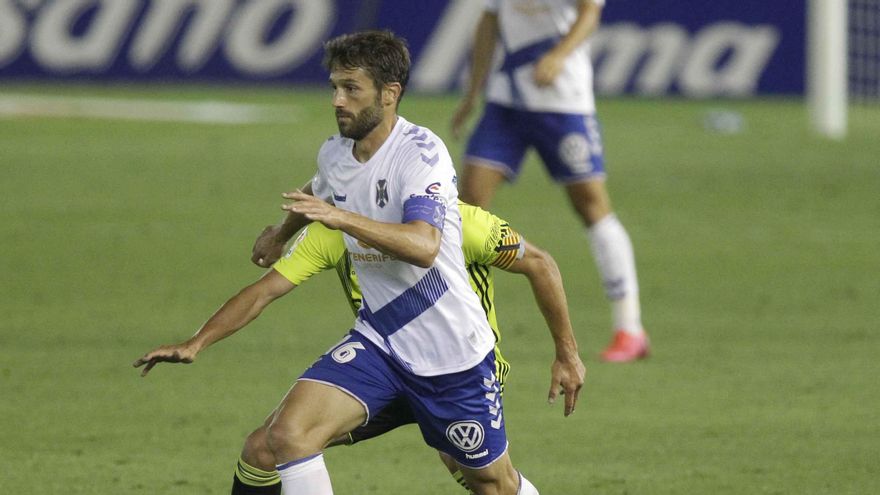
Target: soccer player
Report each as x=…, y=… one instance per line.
x=487, y=241
x=420, y=334
x=539, y=94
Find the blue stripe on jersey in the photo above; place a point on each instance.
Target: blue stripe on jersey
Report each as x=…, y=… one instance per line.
x=425, y=209
x=407, y=306
x=525, y=55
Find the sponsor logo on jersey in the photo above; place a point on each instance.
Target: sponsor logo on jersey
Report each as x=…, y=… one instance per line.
x=433, y=188
x=477, y=455
x=467, y=436
x=381, y=193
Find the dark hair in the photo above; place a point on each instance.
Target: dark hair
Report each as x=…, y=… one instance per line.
x=381, y=54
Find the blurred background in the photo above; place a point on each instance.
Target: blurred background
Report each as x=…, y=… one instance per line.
x=145, y=143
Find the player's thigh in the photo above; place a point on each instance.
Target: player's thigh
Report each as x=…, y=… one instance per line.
x=570, y=146
x=313, y=413
x=462, y=413
x=479, y=182
x=498, y=478
x=494, y=153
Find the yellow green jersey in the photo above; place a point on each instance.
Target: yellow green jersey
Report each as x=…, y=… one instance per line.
x=487, y=241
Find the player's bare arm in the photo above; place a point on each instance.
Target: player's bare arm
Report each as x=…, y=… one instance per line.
x=549, y=66
x=269, y=245
x=237, y=312
x=415, y=242
x=567, y=371
x=481, y=62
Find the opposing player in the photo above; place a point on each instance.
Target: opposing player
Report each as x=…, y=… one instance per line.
x=421, y=334
x=539, y=95
x=488, y=241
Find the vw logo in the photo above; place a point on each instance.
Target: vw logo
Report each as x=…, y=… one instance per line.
x=466, y=435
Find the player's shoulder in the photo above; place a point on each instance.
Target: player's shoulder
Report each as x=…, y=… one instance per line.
x=421, y=141
x=319, y=233
x=475, y=216
x=318, y=242
x=481, y=230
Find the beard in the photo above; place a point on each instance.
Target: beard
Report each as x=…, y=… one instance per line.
x=360, y=124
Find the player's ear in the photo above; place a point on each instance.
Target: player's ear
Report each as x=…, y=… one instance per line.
x=391, y=93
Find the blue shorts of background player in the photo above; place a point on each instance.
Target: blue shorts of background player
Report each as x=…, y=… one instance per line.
x=570, y=145
x=460, y=414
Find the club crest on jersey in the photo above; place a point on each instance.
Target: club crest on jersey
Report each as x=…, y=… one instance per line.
x=466, y=435
x=381, y=193
x=339, y=198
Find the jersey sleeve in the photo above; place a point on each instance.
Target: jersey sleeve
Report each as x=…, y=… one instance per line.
x=316, y=249
x=488, y=239
x=320, y=186
x=429, y=178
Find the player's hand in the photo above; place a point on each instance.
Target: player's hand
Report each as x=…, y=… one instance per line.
x=460, y=116
x=177, y=353
x=567, y=378
x=267, y=248
x=548, y=68
x=314, y=209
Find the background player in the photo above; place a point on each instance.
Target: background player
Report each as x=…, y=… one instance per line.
x=539, y=94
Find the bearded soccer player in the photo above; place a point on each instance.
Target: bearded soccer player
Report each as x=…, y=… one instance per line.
x=420, y=334
x=488, y=241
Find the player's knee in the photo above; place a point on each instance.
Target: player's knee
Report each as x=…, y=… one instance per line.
x=287, y=440
x=256, y=450
x=495, y=480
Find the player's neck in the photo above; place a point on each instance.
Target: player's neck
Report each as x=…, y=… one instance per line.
x=368, y=146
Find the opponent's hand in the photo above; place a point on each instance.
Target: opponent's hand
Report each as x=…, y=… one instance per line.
x=177, y=353
x=548, y=67
x=267, y=248
x=567, y=378
x=314, y=209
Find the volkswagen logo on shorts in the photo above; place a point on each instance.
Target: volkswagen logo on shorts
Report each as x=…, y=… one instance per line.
x=466, y=435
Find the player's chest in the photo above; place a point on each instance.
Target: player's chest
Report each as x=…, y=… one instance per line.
x=369, y=191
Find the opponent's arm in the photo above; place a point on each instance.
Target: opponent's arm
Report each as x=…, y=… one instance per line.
x=269, y=245
x=567, y=371
x=415, y=242
x=237, y=312
x=481, y=61
x=549, y=66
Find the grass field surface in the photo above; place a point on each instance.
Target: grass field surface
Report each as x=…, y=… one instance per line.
x=758, y=262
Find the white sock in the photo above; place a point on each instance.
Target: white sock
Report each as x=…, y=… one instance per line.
x=306, y=476
x=613, y=253
x=526, y=487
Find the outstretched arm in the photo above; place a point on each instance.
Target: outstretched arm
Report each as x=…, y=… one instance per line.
x=269, y=245
x=549, y=66
x=237, y=312
x=567, y=371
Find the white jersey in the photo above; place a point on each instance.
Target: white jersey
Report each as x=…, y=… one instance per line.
x=527, y=30
x=428, y=319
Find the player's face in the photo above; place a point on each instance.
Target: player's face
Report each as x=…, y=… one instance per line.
x=357, y=103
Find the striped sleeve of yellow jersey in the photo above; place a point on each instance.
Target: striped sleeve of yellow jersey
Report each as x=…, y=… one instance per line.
x=488, y=239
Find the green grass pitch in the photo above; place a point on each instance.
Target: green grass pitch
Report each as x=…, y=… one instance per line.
x=758, y=262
